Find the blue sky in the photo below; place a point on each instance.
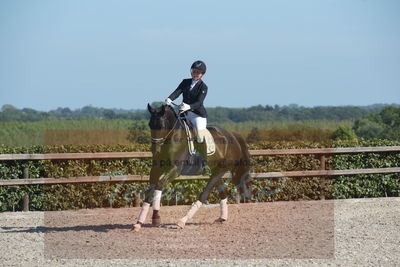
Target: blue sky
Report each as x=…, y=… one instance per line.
x=126, y=53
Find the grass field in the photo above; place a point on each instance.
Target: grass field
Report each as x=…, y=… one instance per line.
x=116, y=131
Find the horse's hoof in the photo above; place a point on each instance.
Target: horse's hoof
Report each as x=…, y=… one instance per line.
x=156, y=222
x=136, y=228
x=181, y=224
x=219, y=220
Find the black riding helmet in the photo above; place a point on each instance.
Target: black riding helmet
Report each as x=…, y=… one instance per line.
x=199, y=65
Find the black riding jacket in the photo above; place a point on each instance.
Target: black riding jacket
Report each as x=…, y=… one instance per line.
x=194, y=97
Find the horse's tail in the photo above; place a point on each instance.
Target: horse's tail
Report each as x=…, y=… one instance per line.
x=242, y=177
x=245, y=151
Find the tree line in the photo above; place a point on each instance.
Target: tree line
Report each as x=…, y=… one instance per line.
x=383, y=125
x=257, y=113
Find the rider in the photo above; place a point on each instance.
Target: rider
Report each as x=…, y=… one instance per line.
x=194, y=92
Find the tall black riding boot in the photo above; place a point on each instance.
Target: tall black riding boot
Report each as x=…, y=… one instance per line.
x=202, y=149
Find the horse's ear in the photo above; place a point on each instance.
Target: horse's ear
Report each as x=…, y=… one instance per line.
x=150, y=108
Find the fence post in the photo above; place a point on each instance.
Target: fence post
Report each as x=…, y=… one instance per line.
x=137, y=200
x=238, y=198
x=322, y=161
x=26, y=196
x=322, y=167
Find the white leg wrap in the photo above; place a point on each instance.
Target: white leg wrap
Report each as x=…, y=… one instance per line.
x=224, y=208
x=157, y=200
x=143, y=212
x=193, y=209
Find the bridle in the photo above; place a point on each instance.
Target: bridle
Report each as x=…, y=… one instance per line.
x=160, y=141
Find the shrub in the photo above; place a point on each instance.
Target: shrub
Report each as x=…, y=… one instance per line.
x=90, y=195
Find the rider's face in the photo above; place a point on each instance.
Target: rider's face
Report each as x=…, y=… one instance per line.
x=196, y=74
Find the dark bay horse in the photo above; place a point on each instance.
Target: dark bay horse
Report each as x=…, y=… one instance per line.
x=170, y=149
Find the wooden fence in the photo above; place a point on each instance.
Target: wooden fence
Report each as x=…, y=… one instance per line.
x=321, y=153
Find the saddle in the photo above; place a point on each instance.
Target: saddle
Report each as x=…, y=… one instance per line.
x=190, y=162
x=191, y=136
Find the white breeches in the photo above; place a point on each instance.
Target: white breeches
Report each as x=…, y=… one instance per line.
x=200, y=124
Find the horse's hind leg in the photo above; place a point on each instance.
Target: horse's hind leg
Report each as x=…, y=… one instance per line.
x=242, y=180
x=203, y=198
x=156, y=219
x=223, y=204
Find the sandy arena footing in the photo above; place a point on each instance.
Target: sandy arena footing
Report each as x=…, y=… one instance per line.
x=350, y=232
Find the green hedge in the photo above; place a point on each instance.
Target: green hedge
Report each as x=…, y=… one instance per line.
x=367, y=185
x=90, y=195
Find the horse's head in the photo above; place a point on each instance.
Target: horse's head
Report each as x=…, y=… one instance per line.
x=162, y=121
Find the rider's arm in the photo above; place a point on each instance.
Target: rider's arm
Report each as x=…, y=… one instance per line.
x=178, y=91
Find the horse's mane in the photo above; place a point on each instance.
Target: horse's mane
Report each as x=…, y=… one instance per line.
x=169, y=109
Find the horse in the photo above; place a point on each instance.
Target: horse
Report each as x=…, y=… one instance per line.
x=170, y=149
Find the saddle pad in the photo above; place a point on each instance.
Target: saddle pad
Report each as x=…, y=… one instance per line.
x=208, y=139
x=210, y=142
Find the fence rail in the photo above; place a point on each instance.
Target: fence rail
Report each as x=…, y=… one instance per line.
x=146, y=154
x=320, y=152
x=144, y=178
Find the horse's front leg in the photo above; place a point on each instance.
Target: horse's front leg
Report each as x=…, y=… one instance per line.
x=150, y=196
x=153, y=195
x=166, y=178
x=223, y=203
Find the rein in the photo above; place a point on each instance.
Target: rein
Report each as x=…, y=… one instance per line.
x=160, y=141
